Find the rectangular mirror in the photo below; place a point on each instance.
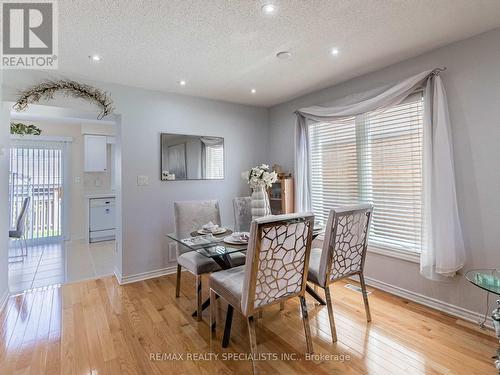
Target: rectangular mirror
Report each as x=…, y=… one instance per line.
x=191, y=157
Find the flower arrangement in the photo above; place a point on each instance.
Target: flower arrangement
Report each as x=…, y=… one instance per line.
x=260, y=176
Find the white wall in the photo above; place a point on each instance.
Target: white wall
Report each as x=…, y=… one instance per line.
x=147, y=211
x=4, y=196
x=472, y=82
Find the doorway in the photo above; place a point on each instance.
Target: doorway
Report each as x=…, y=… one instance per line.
x=51, y=170
x=37, y=174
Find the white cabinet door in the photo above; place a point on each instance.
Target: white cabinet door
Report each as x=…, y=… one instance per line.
x=95, y=153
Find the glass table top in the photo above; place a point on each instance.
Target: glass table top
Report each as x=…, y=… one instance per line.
x=214, y=246
x=486, y=279
x=209, y=245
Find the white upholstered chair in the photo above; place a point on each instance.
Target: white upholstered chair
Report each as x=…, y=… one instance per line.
x=276, y=270
x=242, y=207
x=191, y=216
x=343, y=253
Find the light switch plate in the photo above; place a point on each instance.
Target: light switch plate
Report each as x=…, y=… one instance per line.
x=142, y=180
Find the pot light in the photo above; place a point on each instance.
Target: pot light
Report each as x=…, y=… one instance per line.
x=182, y=83
x=334, y=51
x=253, y=91
x=283, y=55
x=268, y=9
x=95, y=58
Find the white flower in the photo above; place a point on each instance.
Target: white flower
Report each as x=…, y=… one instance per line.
x=260, y=176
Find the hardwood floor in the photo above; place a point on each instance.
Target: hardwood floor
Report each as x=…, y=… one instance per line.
x=98, y=327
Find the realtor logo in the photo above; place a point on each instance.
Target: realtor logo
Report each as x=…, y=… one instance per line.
x=29, y=35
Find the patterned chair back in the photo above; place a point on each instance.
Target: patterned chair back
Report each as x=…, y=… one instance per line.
x=192, y=215
x=345, y=243
x=242, y=213
x=277, y=260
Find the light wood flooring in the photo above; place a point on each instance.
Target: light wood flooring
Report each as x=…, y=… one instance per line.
x=98, y=327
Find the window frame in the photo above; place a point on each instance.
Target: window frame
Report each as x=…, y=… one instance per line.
x=376, y=247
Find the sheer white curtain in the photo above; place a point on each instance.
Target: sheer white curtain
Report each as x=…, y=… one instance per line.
x=443, y=250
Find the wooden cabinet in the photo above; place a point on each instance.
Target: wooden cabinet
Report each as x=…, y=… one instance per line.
x=281, y=196
x=95, y=153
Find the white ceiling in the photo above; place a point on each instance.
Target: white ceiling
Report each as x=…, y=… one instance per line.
x=223, y=48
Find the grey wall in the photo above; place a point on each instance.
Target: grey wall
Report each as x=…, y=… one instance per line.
x=472, y=82
x=147, y=211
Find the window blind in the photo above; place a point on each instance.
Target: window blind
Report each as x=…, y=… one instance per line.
x=214, y=162
x=377, y=158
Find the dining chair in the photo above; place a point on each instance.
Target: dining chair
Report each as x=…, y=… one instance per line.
x=191, y=216
x=19, y=232
x=242, y=207
x=276, y=270
x=343, y=253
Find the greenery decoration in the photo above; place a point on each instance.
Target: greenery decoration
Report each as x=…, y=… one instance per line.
x=23, y=129
x=46, y=90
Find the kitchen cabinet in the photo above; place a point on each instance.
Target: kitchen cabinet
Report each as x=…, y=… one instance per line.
x=95, y=153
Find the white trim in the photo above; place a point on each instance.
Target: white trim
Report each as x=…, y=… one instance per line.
x=42, y=138
x=395, y=253
x=457, y=311
x=118, y=275
x=145, y=275
x=3, y=300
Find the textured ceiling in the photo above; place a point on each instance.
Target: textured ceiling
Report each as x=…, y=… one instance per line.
x=223, y=48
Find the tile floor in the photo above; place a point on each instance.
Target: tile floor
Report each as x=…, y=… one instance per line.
x=61, y=262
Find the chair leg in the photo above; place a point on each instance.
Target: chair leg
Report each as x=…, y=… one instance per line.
x=25, y=247
x=330, y=314
x=365, y=297
x=305, y=320
x=253, y=342
x=213, y=316
x=178, y=281
x=199, y=309
x=227, y=326
x=282, y=306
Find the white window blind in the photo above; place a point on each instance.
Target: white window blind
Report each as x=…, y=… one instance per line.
x=214, y=162
x=377, y=158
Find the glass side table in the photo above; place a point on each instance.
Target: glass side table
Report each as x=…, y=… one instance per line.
x=489, y=280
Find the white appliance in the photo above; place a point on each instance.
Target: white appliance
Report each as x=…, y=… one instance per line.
x=102, y=219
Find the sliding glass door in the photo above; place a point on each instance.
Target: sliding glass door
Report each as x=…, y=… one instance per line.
x=37, y=173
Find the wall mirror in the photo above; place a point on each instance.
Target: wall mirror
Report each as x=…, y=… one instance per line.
x=191, y=157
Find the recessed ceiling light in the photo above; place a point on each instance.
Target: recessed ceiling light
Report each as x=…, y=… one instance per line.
x=334, y=51
x=253, y=91
x=182, y=83
x=268, y=9
x=283, y=55
x=95, y=58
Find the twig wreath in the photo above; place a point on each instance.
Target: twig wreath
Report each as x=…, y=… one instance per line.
x=46, y=90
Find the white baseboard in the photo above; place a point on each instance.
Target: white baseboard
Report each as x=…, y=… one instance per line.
x=3, y=300
x=436, y=304
x=118, y=275
x=144, y=275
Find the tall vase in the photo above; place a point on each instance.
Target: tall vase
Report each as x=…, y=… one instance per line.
x=260, y=203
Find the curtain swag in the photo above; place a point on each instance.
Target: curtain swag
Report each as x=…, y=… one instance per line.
x=443, y=252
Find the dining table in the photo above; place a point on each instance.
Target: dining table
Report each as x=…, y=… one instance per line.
x=215, y=246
